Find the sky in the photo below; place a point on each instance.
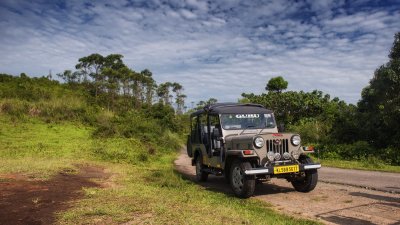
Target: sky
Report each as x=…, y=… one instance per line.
x=215, y=49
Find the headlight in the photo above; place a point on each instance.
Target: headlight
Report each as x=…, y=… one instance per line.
x=259, y=142
x=296, y=140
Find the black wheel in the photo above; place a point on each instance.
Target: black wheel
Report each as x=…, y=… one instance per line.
x=201, y=176
x=242, y=185
x=307, y=182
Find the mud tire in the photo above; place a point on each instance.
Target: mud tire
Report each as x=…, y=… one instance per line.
x=243, y=186
x=201, y=176
x=309, y=181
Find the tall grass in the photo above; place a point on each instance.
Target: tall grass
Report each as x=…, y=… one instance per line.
x=68, y=108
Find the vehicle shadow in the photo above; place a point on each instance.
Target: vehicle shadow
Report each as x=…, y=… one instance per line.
x=377, y=197
x=335, y=216
x=346, y=220
x=219, y=184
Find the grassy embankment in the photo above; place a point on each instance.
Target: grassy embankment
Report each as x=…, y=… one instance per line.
x=370, y=165
x=145, y=187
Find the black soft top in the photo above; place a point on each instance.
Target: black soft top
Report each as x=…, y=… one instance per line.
x=227, y=108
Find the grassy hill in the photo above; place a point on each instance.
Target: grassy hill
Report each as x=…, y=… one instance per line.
x=51, y=134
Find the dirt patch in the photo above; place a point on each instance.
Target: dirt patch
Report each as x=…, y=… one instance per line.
x=27, y=201
x=328, y=203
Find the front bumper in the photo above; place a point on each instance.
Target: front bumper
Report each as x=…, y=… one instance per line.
x=270, y=169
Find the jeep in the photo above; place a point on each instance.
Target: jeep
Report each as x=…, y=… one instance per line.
x=242, y=143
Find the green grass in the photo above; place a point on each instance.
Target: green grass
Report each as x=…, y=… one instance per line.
x=367, y=164
x=41, y=149
x=145, y=187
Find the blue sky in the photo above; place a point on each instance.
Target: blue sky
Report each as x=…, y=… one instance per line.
x=214, y=49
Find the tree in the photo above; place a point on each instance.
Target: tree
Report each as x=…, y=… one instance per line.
x=149, y=85
x=201, y=104
x=379, y=106
x=163, y=92
x=70, y=77
x=179, y=97
x=90, y=66
x=276, y=84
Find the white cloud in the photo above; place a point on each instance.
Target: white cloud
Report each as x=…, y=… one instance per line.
x=215, y=49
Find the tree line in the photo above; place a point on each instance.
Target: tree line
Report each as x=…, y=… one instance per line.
x=371, y=128
x=112, y=83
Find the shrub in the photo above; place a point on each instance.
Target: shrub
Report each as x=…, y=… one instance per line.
x=356, y=151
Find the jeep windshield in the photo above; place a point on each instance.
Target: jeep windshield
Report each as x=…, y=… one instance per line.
x=247, y=121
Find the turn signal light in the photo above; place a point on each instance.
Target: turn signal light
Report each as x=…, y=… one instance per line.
x=308, y=148
x=248, y=152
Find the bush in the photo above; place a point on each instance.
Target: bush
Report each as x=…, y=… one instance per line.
x=356, y=151
x=69, y=108
x=14, y=107
x=391, y=155
x=311, y=130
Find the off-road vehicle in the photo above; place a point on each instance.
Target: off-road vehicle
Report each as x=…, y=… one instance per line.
x=242, y=142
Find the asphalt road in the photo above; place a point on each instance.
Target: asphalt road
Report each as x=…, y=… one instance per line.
x=381, y=181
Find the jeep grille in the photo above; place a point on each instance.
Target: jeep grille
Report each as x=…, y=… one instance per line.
x=278, y=145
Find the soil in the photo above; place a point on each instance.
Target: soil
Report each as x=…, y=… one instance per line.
x=331, y=202
x=25, y=200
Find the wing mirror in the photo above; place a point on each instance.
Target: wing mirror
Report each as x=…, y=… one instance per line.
x=281, y=127
x=216, y=133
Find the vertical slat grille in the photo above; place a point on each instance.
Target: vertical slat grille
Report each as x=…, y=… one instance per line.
x=278, y=148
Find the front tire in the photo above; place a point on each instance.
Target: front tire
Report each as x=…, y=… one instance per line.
x=308, y=182
x=201, y=176
x=243, y=186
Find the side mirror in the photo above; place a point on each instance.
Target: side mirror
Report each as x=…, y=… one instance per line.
x=216, y=133
x=281, y=127
x=216, y=138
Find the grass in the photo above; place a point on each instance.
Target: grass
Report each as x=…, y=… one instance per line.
x=42, y=149
x=367, y=164
x=145, y=189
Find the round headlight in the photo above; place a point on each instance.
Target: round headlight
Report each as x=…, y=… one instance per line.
x=259, y=142
x=296, y=140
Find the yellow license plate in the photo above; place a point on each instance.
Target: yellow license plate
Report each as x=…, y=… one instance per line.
x=286, y=169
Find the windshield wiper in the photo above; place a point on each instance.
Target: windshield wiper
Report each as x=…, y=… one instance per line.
x=246, y=128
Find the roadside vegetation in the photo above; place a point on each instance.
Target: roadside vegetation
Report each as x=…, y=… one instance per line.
x=112, y=117
x=362, y=136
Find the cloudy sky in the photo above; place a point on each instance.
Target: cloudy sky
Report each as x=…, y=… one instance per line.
x=214, y=49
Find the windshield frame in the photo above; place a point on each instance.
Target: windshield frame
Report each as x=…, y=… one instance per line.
x=249, y=117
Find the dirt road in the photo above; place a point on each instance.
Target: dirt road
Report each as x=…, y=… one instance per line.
x=330, y=203
x=34, y=202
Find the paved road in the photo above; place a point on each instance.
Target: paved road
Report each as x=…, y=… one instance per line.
x=381, y=181
x=331, y=202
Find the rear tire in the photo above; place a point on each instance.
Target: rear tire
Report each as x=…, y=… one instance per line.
x=201, y=176
x=310, y=179
x=243, y=186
